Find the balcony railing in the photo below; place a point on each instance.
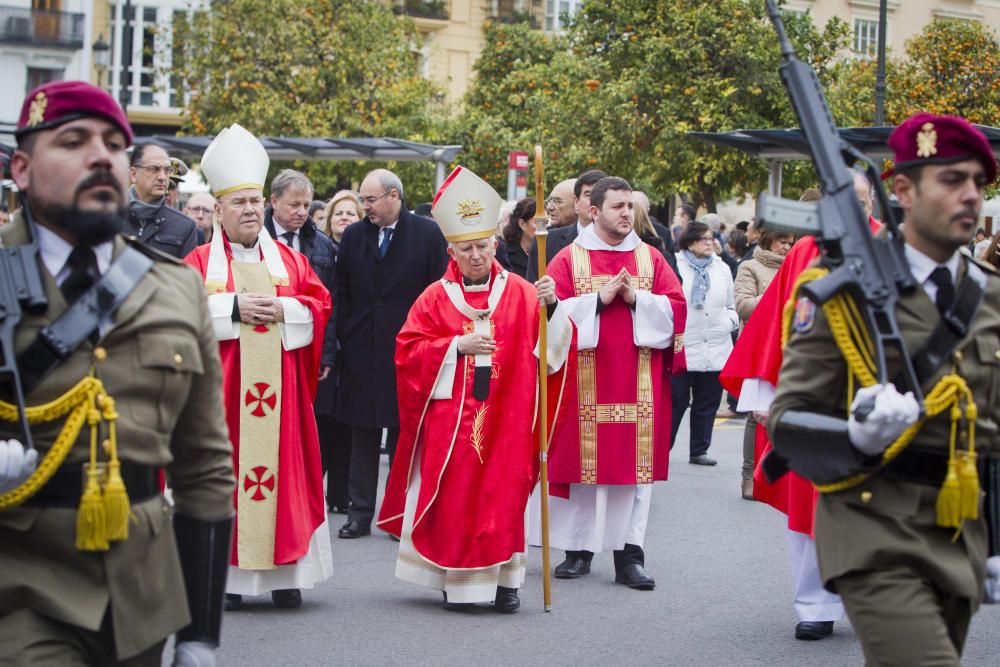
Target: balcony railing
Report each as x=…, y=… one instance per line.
x=21, y=25
x=428, y=9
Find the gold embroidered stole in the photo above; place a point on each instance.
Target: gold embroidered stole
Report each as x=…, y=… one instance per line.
x=593, y=413
x=260, y=427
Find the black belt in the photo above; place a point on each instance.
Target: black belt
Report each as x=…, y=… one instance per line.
x=922, y=466
x=66, y=485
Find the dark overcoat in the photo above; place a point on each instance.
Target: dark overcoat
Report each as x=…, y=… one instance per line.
x=374, y=296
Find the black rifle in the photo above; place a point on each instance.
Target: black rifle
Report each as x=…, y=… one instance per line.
x=20, y=290
x=871, y=270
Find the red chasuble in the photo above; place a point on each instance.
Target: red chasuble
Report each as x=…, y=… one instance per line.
x=758, y=354
x=478, y=459
x=301, y=508
x=619, y=432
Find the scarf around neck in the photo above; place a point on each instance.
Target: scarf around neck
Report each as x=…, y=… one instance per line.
x=702, y=281
x=141, y=208
x=771, y=260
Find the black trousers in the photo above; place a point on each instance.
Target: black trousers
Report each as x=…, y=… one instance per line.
x=703, y=393
x=335, y=446
x=363, y=483
x=631, y=554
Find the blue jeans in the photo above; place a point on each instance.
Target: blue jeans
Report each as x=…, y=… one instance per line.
x=702, y=392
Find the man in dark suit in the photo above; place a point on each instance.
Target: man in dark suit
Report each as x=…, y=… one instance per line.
x=287, y=221
x=385, y=262
x=561, y=237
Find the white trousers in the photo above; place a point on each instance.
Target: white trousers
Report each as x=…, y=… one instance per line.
x=812, y=601
x=595, y=517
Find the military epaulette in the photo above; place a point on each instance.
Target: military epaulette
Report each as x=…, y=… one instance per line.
x=985, y=266
x=149, y=251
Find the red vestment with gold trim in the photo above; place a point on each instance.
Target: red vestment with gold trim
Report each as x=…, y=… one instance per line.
x=301, y=507
x=478, y=459
x=619, y=432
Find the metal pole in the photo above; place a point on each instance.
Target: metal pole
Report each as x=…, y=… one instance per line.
x=774, y=178
x=439, y=167
x=880, y=72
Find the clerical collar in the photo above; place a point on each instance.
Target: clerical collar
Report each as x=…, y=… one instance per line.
x=55, y=252
x=243, y=254
x=588, y=240
x=483, y=286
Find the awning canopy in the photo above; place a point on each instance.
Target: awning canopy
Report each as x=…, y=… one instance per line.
x=317, y=149
x=789, y=144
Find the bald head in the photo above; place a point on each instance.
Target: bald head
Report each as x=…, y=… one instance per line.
x=865, y=192
x=382, y=196
x=561, y=204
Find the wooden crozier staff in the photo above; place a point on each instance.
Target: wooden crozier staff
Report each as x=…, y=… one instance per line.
x=541, y=236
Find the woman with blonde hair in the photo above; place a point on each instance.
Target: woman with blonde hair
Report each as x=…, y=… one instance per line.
x=342, y=210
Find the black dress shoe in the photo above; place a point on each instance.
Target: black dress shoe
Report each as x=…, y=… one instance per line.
x=813, y=630
x=572, y=568
x=634, y=576
x=287, y=598
x=234, y=602
x=353, y=530
x=702, y=460
x=456, y=606
x=506, y=601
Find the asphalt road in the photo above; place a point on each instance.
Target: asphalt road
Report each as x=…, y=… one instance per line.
x=723, y=597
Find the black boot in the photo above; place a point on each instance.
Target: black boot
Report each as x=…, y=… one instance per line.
x=287, y=598
x=576, y=565
x=506, y=601
x=629, y=568
x=234, y=602
x=456, y=606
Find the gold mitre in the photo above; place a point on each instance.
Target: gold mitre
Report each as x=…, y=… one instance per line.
x=466, y=207
x=235, y=160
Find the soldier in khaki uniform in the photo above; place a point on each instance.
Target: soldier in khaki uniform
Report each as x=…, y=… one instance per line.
x=909, y=561
x=79, y=586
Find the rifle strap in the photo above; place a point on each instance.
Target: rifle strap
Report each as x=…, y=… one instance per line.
x=57, y=341
x=953, y=325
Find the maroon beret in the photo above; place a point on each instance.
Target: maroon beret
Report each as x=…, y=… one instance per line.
x=58, y=102
x=928, y=139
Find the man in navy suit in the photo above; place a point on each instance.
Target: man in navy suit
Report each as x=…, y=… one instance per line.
x=561, y=237
x=385, y=262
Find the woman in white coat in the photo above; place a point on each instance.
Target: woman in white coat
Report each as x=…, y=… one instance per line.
x=708, y=288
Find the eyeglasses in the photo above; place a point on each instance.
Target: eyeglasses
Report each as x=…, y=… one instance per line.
x=554, y=201
x=707, y=238
x=200, y=209
x=153, y=169
x=372, y=200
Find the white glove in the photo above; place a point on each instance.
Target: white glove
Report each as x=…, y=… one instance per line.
x=992, y=595
x=893, y=413
x=194, y=654
x=15, y=464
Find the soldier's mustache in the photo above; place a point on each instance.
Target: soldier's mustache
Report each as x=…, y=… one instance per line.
x=99, y=177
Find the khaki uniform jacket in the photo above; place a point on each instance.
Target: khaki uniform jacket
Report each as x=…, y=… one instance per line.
x=162, y=369
x=884, y=521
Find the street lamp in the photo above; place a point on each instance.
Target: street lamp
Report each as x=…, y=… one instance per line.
x=102, y=55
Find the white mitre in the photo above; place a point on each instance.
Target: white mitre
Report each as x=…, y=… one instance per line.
x=466, y=207
x=236, y=160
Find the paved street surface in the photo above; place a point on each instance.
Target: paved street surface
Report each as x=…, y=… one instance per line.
x=722, y=598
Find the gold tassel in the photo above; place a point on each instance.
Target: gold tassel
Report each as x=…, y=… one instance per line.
x=91, y=529
x=116, y=502
x=948, y=500
x=968, y=475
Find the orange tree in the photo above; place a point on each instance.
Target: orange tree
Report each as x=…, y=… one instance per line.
x=628, y=80
x=308, y=68
x=951, y=67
